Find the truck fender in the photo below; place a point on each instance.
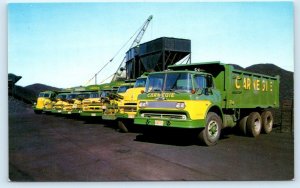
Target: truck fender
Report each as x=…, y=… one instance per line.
x=216, y=109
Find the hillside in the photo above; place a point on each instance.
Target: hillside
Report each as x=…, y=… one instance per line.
x=30, y=93
x=37, y=88
x=286, y=78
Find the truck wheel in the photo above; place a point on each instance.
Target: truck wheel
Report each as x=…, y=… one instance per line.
x=243, y=125
x=254, y=124
x=267, y=121
x=211, y=133
x=122, y=127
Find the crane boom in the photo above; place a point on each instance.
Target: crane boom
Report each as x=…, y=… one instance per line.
x=136, y=42
x=139, y=37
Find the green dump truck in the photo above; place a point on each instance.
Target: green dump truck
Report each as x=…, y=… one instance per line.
x=207, y=97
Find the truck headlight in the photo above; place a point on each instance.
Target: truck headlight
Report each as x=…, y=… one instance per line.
x=143, y=104
x=180, y=105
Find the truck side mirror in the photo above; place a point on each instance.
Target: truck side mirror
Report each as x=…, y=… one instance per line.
x=209, y=81
x=207, y=91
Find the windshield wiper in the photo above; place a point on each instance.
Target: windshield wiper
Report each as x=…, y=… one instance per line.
x=157, y=90
x=172, y=90
x=154, y=90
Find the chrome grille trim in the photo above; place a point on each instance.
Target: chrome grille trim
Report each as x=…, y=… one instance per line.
x=159, y=104
x=164, y=116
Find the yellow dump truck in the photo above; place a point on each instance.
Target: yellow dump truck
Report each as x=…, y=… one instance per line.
x=94, y=106
x=74, y=104
x=59, y=102
x=124, y=108
x=44, y=101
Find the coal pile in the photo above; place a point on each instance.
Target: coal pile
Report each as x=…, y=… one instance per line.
x=18, y=106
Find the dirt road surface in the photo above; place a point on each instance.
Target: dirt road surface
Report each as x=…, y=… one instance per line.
x=54, y=148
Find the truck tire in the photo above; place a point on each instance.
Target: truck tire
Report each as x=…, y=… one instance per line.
x=243, y=125
x=267, y=122
x=254, y=124
x=211, y=133
x=122, y=127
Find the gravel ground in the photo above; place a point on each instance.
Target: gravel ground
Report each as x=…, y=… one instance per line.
x=56, y=148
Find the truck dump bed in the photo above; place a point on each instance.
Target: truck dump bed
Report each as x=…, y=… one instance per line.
x=239, y=89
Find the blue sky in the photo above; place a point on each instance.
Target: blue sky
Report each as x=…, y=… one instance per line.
x=65, y=44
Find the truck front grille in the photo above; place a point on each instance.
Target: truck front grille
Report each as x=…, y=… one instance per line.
x=159, y=104
x=164, y=116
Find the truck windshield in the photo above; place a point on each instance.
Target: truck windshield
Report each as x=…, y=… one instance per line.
x=61, y=96
x=46, y=95
x=177, y=82
x=94, y=95
x=83, y=96
x=140, y=82
x=104, y=93
x=72, y=96
x=123, y=89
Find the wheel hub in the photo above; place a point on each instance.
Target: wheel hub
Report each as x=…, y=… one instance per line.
x=257, y=125
x=213, y=129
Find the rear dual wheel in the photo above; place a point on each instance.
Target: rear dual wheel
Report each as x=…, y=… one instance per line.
x=267, y=122
x=253, y=124
x=243, y=125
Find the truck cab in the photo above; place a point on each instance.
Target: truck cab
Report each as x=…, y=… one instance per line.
x=112, y=108
x=73, y=102
x=177, y=99
x=128, y=106
x=94, y=106
x=78, y=102
x=93, y=98
x=44, y=101
x=125, y=108
x=58, y=103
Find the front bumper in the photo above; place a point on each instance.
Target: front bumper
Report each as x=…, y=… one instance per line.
x=66, y=112
x=118, y=115
x=91, y=113
x=56, y=111
x=188, y=124
x=47, y=110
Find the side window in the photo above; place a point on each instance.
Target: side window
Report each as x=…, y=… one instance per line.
x=200, y=81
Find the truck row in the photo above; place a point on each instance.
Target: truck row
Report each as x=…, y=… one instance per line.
x=201, y=97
